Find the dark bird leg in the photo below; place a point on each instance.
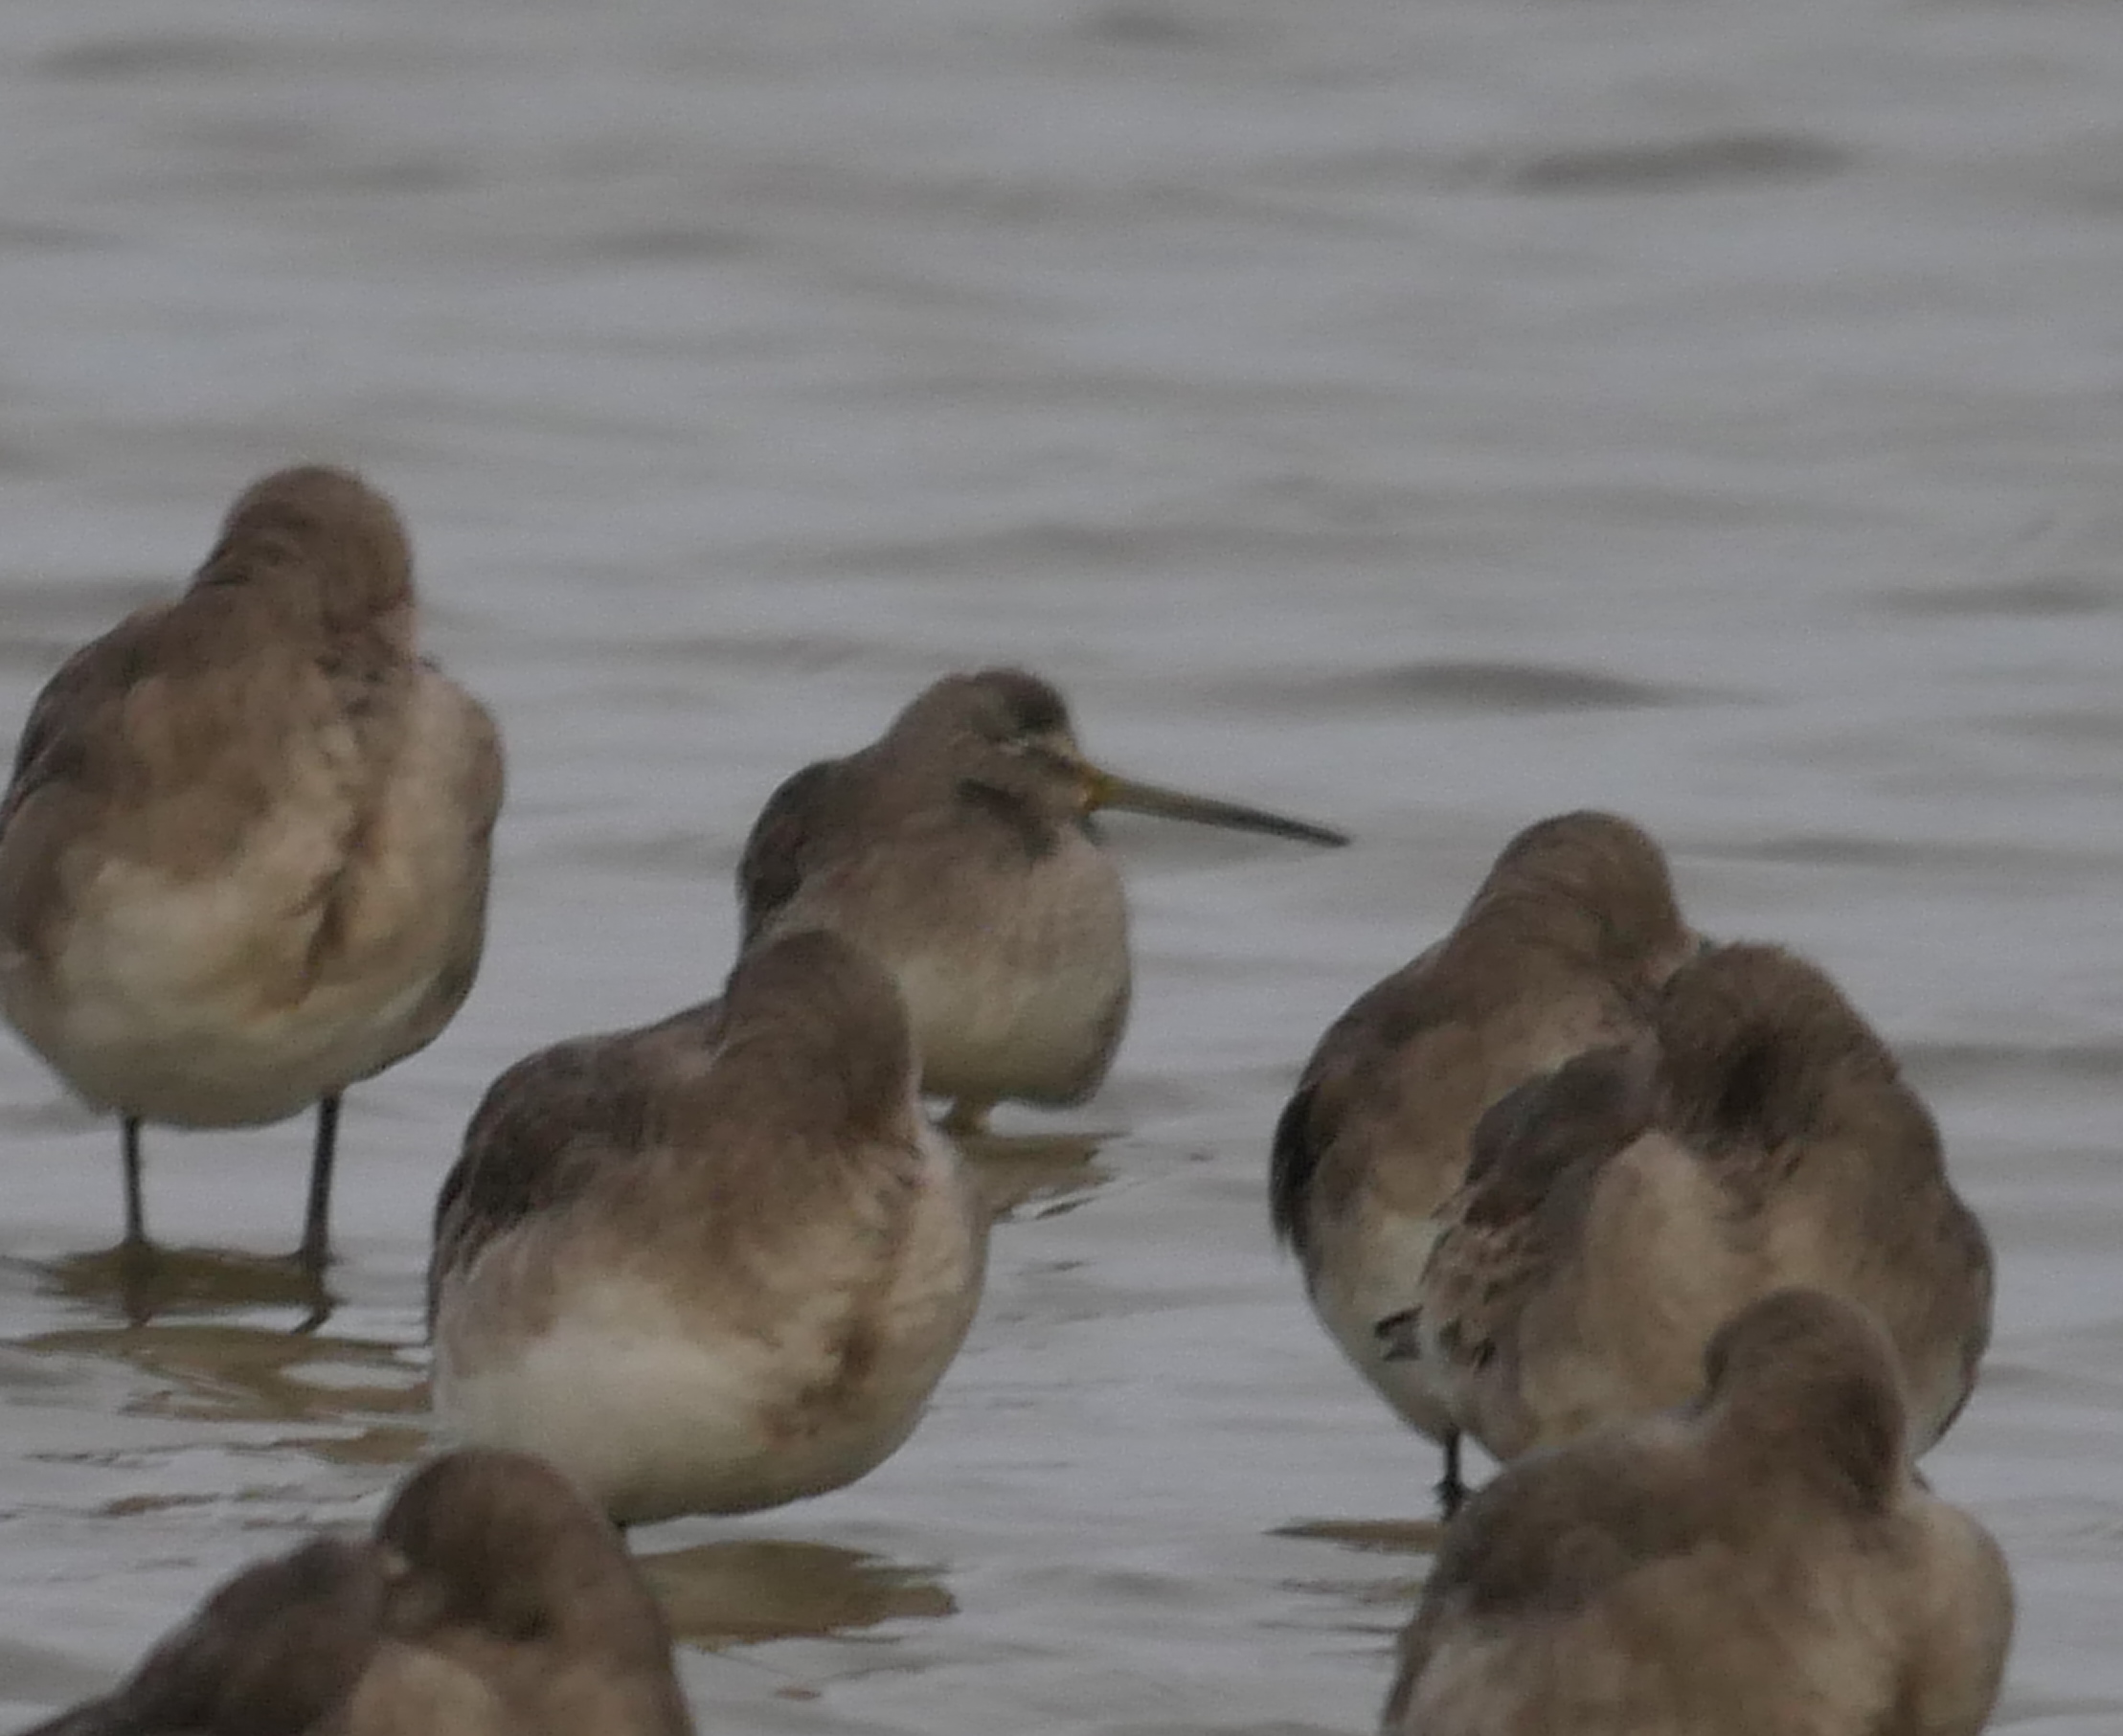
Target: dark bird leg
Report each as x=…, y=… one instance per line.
x=136, y=1213
x=134, y=1268
x=1451, y=1490
x=316, y=1249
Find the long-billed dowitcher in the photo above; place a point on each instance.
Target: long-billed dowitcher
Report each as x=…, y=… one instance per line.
x=1618, y=1209
x=959, y=849
x=493, y=1601
x=1561, y=949
x=243, y=858
x=715, y=1264
x=1762, y=1564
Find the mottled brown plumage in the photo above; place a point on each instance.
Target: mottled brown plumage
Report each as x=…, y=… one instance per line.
x=959, y=848
x=555, y=1123
x=504, y=1577
x=1562, y=949
x=1760, y=1563
x=716, y=1263
x=243, y=855
x=274, y=1652
x=493, y=1601
x=1761, y=1135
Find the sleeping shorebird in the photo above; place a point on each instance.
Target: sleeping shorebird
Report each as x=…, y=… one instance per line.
x=493, y=1601
x=715, y=1264
x=1562, y=949
x=959, y=849
x=243, y=858
x=1761, y=1564
x=1618, y=1209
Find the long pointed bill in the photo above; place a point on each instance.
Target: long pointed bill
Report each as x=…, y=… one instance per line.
x=1103, y=790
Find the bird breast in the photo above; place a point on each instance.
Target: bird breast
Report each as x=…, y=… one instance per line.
x=1014, y=971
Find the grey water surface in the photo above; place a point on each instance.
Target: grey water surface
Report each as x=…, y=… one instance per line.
x=1421, y=414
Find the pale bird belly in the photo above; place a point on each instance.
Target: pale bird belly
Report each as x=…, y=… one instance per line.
x=657, y=1417
x=651, y=1420
x=1367, y=1273
x=1016, y=984
x=1025, y=1000
x=406, y=1688
x=186, y=1003
x=660, y=1409
x=989, y=1032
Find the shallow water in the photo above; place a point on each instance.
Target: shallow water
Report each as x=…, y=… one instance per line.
x=1423, y=417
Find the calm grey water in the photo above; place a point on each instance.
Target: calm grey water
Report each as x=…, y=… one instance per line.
x=1424, y=416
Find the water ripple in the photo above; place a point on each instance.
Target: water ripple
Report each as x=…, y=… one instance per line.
x=1471, y=687
x=1715, y=160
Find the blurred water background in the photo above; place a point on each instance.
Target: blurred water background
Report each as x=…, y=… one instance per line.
x=1424, y=416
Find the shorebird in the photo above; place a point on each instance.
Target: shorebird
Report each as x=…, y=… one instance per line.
x=715, y=1264
x=243, y=857
x=1618, y=1209
x=1562, y=949
x=959, y=849
x=493, y=1601
x=1761, y=1564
